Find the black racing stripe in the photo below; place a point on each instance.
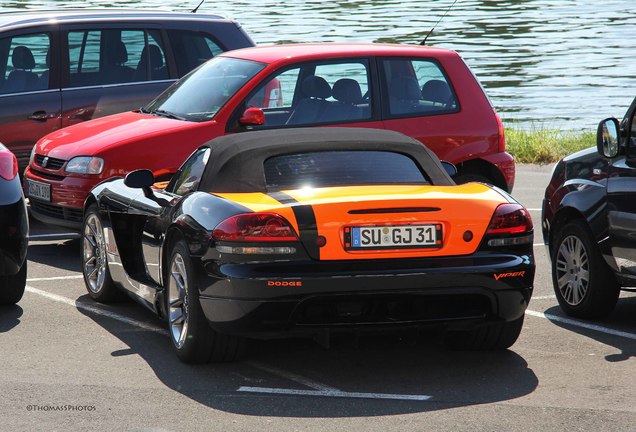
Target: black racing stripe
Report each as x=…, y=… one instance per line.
x=282, y=197
x=306, y=219
x=308, y=228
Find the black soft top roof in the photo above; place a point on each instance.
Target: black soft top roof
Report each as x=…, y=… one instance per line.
x=236, y=161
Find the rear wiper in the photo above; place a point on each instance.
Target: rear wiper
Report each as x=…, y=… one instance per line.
x=168, y=114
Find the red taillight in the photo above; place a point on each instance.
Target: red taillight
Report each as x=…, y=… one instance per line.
x=510, y=219
x=255, y=227
x=500, y=134
x=8, y=165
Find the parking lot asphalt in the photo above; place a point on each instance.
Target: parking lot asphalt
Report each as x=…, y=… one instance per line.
x=72, y=364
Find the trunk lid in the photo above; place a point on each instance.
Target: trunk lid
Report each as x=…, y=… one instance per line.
x=389, y=220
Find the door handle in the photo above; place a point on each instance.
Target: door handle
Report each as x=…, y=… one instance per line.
x=40, y=116
x=82, y=114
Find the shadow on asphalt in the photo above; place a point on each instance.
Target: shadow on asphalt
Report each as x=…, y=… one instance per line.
x=9, y=317
x=375, y=364
x=63, y=255
x=622, y=319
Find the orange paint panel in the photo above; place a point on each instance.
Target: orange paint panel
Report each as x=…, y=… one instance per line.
x=462, y=208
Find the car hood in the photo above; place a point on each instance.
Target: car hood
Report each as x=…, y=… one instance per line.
x=91, y=137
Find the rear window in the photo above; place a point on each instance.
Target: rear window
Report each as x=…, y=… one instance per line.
x=341, y=168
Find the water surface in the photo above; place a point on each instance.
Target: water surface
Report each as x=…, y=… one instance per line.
x=563, y=63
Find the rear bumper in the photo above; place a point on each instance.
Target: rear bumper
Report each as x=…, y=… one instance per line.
x=284, y=300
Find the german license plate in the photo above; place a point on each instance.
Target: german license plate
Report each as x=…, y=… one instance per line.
x=41, y=191
x=393, y=236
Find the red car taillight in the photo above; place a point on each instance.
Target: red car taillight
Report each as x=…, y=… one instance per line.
x=500, y=134
x=255, y=227
x=508, y=222
x=8, y=165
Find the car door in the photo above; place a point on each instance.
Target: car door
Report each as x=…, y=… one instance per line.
x=30, y=98
x=621, y=199
x=158, y=210
x=110, y=69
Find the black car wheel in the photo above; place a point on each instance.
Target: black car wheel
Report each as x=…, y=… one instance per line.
x=97, y=278
x=12, y=286
x=583, y=282
x=497, y=336
x=192, y=337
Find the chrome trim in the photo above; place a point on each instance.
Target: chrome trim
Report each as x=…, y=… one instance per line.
x=125, y=84
x=30, y=92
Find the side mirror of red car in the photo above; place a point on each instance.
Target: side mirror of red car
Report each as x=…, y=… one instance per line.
x=253, y=117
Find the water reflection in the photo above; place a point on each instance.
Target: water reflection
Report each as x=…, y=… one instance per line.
x=560, y=62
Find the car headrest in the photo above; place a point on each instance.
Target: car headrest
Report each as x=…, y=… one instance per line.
x=152, y=53
x=22, y=58
x=117, y=53
x=347, y=90
x=436, y=91
x=316, y=87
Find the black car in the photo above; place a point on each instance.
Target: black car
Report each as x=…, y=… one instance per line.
x=14, y=231
x=304, y=231
x=589, y=221
x=60, y=67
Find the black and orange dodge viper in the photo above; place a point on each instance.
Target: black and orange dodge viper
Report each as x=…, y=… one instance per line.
x=305, y=231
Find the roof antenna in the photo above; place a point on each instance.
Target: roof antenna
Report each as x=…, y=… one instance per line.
x=202, y=1
x=438, y=21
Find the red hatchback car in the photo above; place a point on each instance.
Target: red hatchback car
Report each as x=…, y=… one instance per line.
x=426, y=93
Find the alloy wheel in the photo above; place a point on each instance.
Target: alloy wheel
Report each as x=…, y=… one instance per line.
x=94, y=253
x=572, y=270
x=178, y=300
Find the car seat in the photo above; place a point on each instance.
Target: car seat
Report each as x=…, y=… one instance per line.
x=437, y=91
x=114, y=69
x=313, y=106
x=348, y=95
x=150, y=66
x=21, y=78
x=404, y=94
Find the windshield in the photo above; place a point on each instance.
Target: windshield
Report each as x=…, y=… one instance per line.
x=200, y=95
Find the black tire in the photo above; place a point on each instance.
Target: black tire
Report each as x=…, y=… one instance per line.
x=12, y=286
x=99, y=284
x=471, y=177
x=497, y=336
x=192, y=337
x=584, y=284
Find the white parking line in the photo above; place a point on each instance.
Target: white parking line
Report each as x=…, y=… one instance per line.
x=292, y=377
x=581, y=324
x=333, y=393
x=96, y=310
x=55, y=278
x=544, y=297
